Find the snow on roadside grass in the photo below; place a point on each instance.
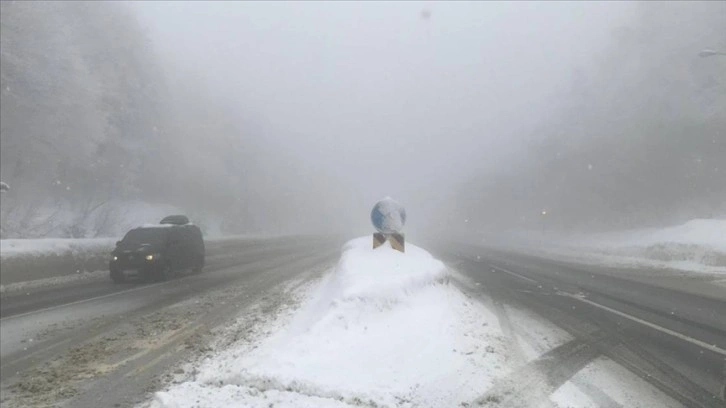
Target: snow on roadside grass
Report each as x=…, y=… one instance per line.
x=383, y=329
x=695, y=246
x=26, y=248
x=32, y=263
x=10, y=248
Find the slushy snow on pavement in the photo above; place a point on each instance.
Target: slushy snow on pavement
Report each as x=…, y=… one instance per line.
x=383, y=329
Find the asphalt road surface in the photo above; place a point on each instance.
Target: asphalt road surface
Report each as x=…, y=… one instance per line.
x=99, y=344
x=669, y=330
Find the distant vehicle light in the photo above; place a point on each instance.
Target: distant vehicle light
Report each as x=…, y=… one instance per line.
x=115, y=258
x=149, y=257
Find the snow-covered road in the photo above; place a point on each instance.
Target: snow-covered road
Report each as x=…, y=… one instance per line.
x=293, y=322
x=98, y=344
x=386, y=329
x=382, y=329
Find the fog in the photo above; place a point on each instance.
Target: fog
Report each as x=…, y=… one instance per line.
x=368, y=100
x=297, y=117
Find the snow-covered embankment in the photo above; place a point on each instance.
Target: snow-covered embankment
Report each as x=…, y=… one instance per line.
x=695, y=246
x=52, y=260
x=384, y=328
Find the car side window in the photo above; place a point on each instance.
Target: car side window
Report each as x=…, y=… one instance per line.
x=175, y=237
x=188, y=237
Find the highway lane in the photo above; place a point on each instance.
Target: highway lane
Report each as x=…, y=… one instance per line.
x=100, y=344
x=674, y=339
x=219, y=254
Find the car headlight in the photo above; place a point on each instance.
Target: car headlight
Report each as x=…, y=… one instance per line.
x=115, y=258
x=149, y=257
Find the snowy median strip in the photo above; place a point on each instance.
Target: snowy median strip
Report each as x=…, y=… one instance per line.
x=383, y=329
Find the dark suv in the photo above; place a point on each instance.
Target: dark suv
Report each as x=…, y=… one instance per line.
x=156, y=252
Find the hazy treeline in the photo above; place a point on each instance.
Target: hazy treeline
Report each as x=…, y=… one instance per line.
x=94, y=118
x=81, y=98
x=95, y=115
x=640, y=140
x=81, y=94
x=89, y=119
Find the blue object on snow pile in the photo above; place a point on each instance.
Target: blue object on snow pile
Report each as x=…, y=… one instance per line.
x=388, y=216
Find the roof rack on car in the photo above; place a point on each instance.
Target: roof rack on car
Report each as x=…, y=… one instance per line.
x=175, y=219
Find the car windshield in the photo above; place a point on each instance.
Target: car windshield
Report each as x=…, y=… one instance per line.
x=357, y=204
x=152, y=236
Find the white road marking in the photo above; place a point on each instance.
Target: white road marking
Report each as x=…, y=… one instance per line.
x=581, y=297
x=515, y=274
x=711, y=347
x=77, y=302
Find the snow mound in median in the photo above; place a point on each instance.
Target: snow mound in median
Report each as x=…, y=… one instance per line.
x=364, y=274
x=383, y=329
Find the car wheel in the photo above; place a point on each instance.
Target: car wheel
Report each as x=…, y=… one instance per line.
x=163, y=273
x=118, y=276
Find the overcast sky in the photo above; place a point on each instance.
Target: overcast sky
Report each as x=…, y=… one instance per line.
x=381, y=98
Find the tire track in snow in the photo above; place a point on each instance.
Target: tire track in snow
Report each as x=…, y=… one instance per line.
x=108, y=348
x=624, y=351
x=563, y=362
x=471, y=290
x=532, y=384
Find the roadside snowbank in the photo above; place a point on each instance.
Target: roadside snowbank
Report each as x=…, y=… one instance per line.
x=10, y=248
x=383, y=329
x=698, y=246
x=109, y=219
x=51, y=260
x=77, y=247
